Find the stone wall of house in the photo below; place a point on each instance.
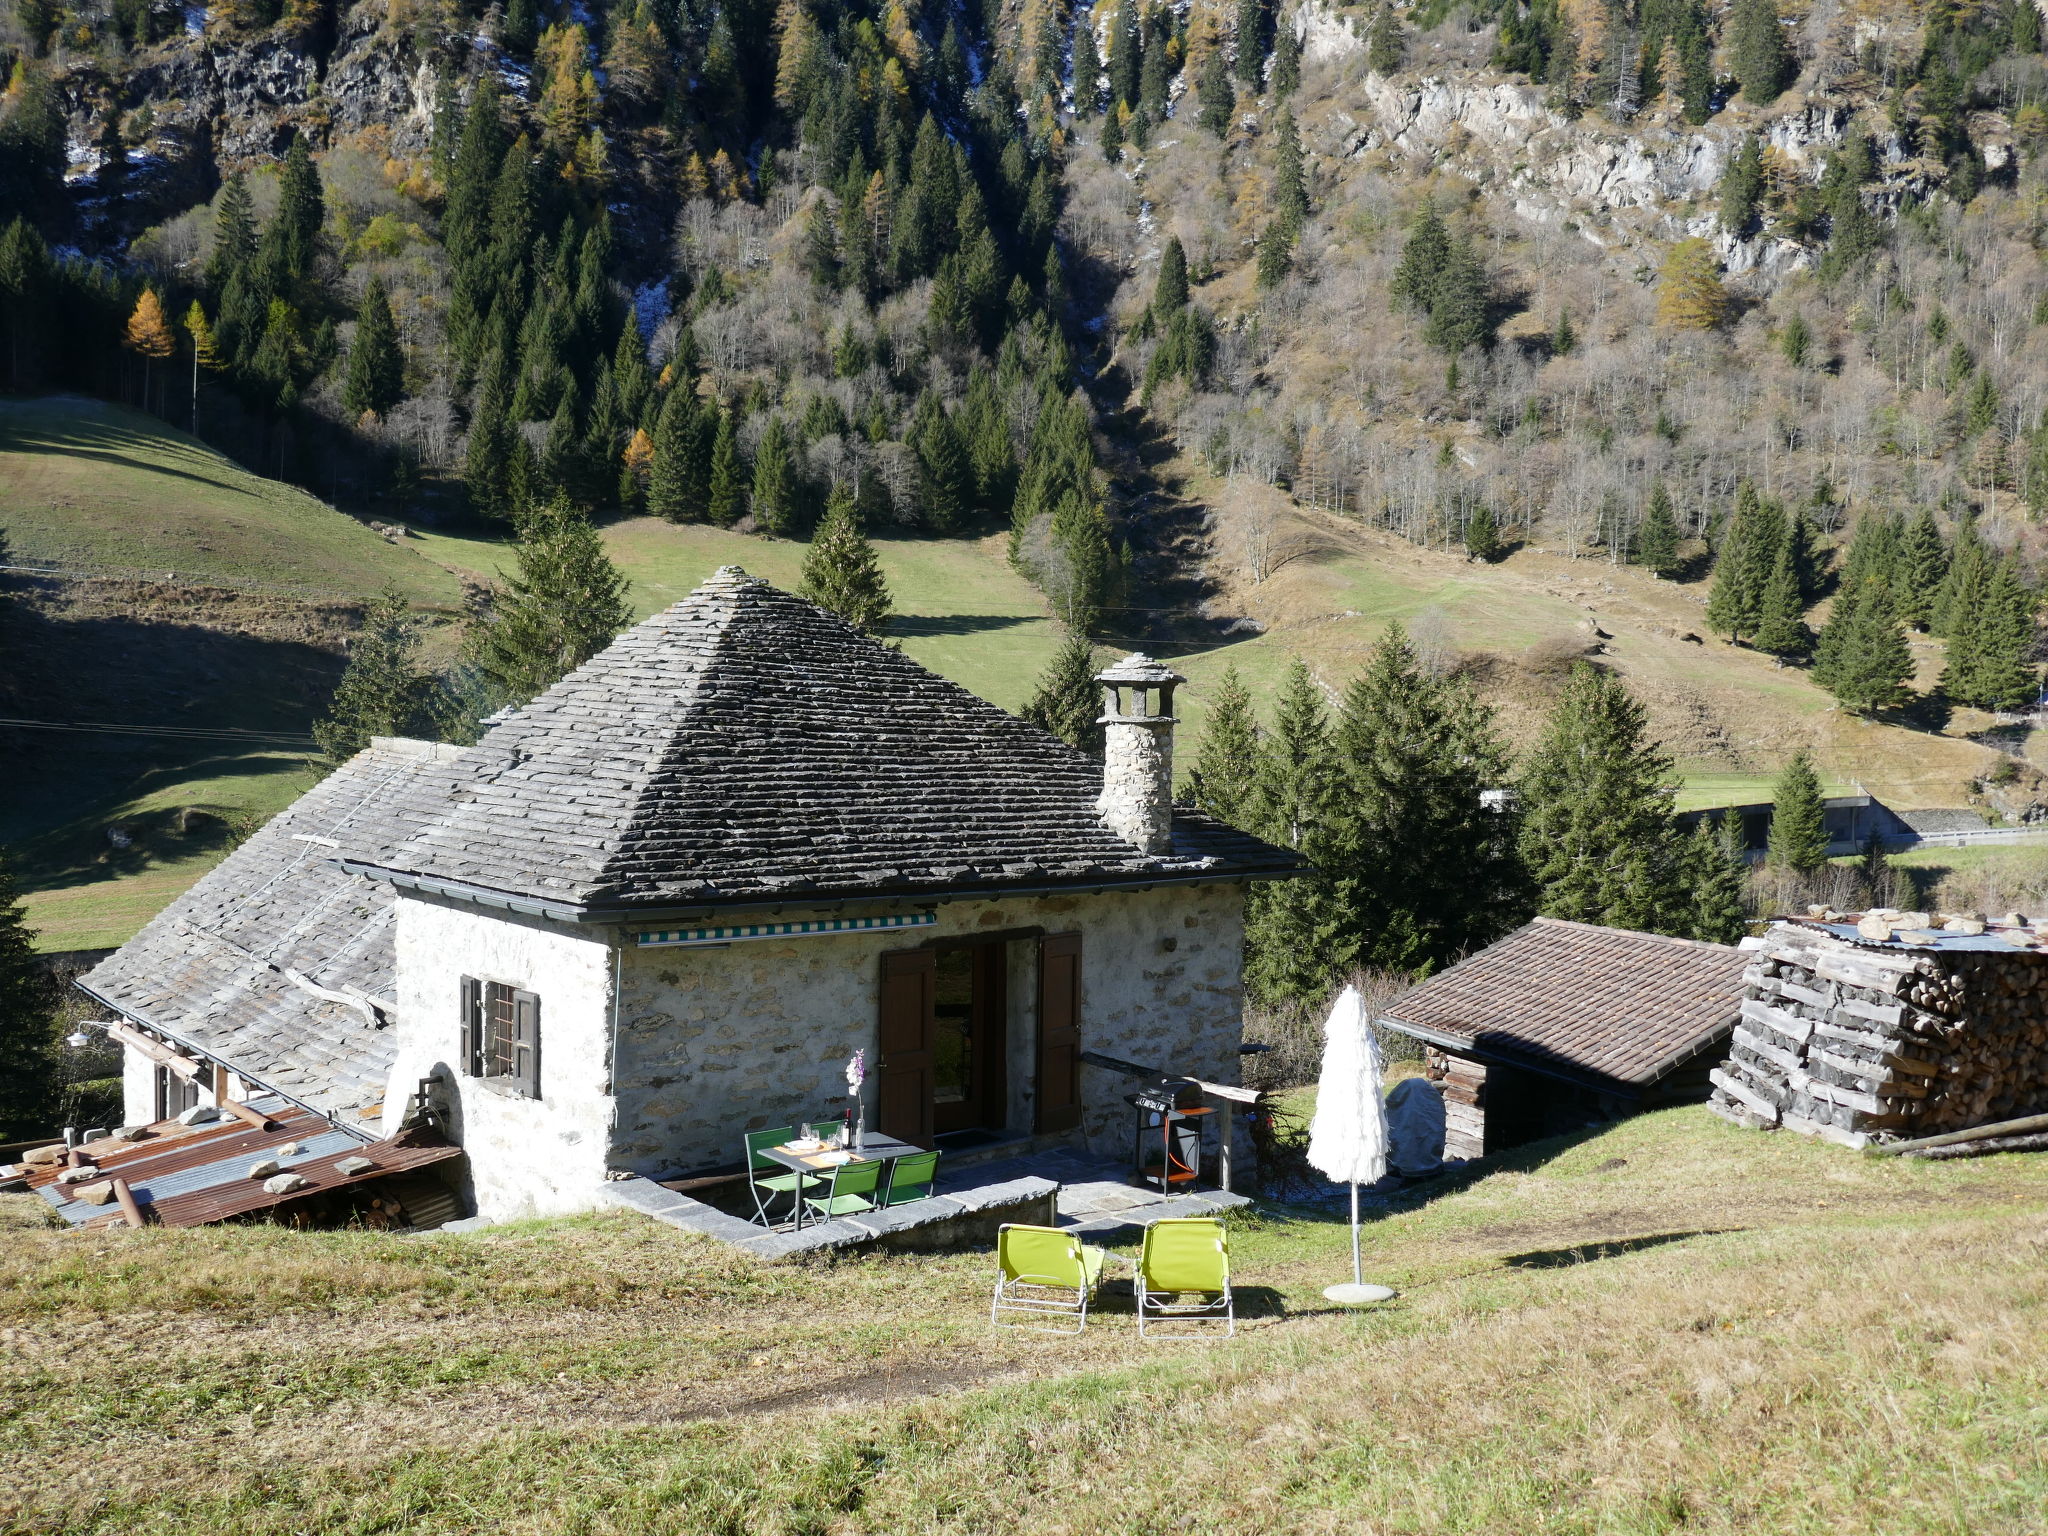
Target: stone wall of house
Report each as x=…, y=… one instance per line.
x=138, y=1087
x=717, y=1041
x=527, y=1157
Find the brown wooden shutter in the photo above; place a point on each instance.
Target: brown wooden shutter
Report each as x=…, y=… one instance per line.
x=525, y=1053
x=903, y=1076
x=1059, y=1032
x=472, y=1027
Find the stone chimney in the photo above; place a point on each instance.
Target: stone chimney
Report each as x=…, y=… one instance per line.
x=1137, y=752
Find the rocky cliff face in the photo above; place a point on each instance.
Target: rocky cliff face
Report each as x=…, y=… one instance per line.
x=1654, y=180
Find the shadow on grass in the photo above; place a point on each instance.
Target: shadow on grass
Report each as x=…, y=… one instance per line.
x=917, y=626
x=108, y=444
x=1611, y=1248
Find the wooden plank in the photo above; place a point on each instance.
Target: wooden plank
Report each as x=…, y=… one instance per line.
x=1877, y=1013
x=1888, y=1086
x=1791, y=1026
x=155, y=1050
x=2019, y=1127
x=245, y=1113
x=1744, y=1095
x=1812, y=996
x=1771, y=1053
x=1848, y=1098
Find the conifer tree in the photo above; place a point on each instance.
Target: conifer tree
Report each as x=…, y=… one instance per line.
x=1087, y=66
x=1422, y=869
x=1862, y=657
x=1293, y=941
x=1461, y=315
x=1170, y=290
x=1286, y=57
x=991, y=454
x=1068, y=700
x=234, y=233
x=1742, y=186
x=1962, y=583
x=1990, y=649
x=1290, y=175
x=1113, y=132
x=148, y=336
x=1597, y=833
x=1123, y=56
x=841, y=573
x=1781, y=613
x=565, y=602
x=945, y=476
x=1922, y=562
x=1689, y=292
x=561, y=456
x=375, y=381
x=1216, y=96
x=1423, y=260
x=774, y=499
x=1252, y=38
x=668, y=476
x=294, y=230
x=1227, y=761
x=1385, y=43
x=727, y=493
x=1799, y=833
x=28, y=1046
x=1657, y=539
x=1482, y=535
x=487, y=459
x=1742, y=568
x=1716, y=876
x=382, y=691
x=1757, y=52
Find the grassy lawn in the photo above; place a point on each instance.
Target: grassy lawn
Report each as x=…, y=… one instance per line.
x=84, y=483
x=1671, y=1325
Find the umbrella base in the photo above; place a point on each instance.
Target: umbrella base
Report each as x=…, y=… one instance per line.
x=1350, y=1295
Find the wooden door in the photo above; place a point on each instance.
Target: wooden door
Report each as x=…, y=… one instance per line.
x=903, y=1076
x=1059, y=1032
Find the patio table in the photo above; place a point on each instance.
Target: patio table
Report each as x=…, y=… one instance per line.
x=879, y=1149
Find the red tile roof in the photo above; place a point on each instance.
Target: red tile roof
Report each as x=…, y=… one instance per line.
x=1589, y=1003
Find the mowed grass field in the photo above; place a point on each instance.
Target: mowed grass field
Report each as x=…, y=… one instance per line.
x=1669, y=1326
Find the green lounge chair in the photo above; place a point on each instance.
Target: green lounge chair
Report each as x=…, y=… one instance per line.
x=1044, y=1273
x=853, y=1190
x=781, y=1181
x=1185, y=1256
x=910, y=1178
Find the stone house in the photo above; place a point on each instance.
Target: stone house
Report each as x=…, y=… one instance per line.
x=666, y=901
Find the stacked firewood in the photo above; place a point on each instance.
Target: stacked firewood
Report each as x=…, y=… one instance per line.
x=1463, y=1084
x=1853, y=1042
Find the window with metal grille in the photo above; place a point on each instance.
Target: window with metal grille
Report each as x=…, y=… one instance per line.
x=501, y=1035
x=174, y=1094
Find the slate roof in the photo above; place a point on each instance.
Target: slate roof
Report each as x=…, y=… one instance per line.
x=235, y=966
x=1601, y=1004
x=744, y=745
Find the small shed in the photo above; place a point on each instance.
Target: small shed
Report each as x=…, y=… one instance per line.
x=1561, y=1024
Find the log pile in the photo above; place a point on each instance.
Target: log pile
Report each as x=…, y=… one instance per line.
x=1854, y=1042
x=1463, y=1085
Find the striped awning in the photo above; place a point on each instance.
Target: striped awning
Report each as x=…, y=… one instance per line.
x=818, y=928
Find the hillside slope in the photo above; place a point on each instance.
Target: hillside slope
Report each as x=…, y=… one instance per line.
x=1669, y=1324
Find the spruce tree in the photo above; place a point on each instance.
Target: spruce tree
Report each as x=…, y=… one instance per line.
x=1123, y=56
x=382, y=691
x=565, y=602
x=1799, y=833
x=1781, y=612
x=726, y=490
x=376, y=368
x=990, y=452
x=1385, y=43
x=1422, y=869
x=1743, y=564
x=1253, y=20
x=1423, y=260
x=1963, y=581
x=1170, y=291
x=1657, y=539
x=1216, y=96
x=945, y=476
x=1294, y=944
x=301, y=211
x=1286, y=57
x=234, y=233
x=1597, y=833
x=1227, y=761
x=28, y=1046
x=1756, y=50
x=1482, y=535
x=1462, y=314
x=1087, y=66
x=1742, y=186
x=1922, y=562
x=1862, y=657
x=668, y=480
x=1717, y=877
x=1290, y=174
x=1068, y=700
x=774, y=498
x=841, y=573
x=1991, y=646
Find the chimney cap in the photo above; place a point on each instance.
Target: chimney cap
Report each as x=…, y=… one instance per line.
x=1139, y=670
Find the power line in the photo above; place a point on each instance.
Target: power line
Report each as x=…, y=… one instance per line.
x=170, y=732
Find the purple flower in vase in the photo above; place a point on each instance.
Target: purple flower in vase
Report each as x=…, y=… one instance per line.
x=857, y=1070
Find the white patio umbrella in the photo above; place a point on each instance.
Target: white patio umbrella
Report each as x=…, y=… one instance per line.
x=1347, y=1140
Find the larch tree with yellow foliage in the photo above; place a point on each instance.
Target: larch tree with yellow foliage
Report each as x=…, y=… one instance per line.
x=205, y=353
x=149, y=334
x=1689, y=292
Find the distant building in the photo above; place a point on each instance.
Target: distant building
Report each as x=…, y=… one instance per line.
x=1560, y=1025
x=1851, y=820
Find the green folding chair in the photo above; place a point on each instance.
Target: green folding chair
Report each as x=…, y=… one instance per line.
x=1185, y=1256
x=1044, y=1273
x=910, y=1178
x=853, y=1190
x=766, y=1187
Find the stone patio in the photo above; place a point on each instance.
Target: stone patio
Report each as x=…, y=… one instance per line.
x=1061, y=1187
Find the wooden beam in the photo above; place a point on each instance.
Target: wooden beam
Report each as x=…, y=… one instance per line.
x=155, y=1050
x=2019, y=1127
x=243, y=1112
